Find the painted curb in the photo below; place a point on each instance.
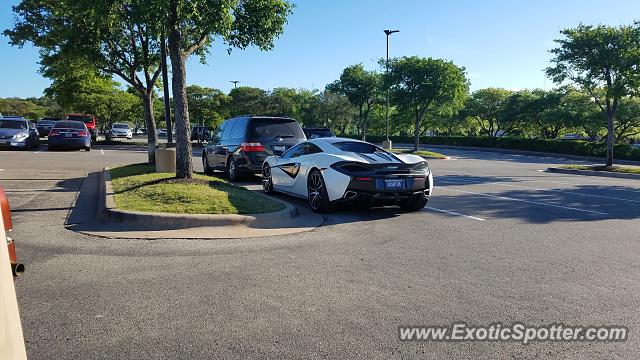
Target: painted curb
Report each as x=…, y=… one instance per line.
x=108, y=212
x=594, y=173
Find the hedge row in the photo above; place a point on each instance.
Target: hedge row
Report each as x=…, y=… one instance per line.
x=569, y=147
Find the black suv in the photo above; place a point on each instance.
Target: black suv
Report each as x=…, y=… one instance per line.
x=241, y=144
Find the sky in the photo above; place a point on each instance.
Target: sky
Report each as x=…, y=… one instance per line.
x=501, y=43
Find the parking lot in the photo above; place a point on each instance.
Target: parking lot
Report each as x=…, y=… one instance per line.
x=500, y=241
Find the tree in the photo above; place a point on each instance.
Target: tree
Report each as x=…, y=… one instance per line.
x=192, y=27
x=603, y=57
x=247, y=100
x=628, y=118
x=362, y=88
x=208, y=107
x=487, y=108
x=119, y=37
x=422, y=85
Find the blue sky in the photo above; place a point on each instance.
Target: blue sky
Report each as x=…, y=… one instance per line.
x=501, y=43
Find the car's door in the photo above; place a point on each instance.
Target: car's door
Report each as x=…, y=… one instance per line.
x=33, y=133
x=222, y=150
x=216, y=156
x=288, y=167
x=305, y=162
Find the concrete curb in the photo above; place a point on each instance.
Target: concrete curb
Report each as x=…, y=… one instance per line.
x=594, y=173
x=108, y=212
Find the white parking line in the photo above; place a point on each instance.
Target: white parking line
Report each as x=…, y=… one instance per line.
x=101, y=152
x=573, y=192
x=524, y=201
x=455, y=213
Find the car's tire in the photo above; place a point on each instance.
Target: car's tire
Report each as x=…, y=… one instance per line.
x=317, y=193
x=232, y=170
x=51, y=148
x=267, y=181
x=87, y=148
x=205, y=164
x=414, y=203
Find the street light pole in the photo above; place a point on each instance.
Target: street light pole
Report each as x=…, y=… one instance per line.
x=235, y=83
x=387, y=143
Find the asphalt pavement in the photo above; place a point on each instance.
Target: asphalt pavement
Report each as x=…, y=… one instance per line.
x=500, y=241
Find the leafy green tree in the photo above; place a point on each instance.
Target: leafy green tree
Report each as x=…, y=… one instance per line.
x=118, y=37
x=628, y=118
x=362, y=88
x=247, y=100
x=192, y=27
x=603, y=57
x=487, y=108
x=208, y=107
x=421, y=85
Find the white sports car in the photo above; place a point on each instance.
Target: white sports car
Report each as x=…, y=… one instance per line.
x=327, y=171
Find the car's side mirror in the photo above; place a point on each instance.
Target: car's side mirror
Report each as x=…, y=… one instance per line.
x=277, y=152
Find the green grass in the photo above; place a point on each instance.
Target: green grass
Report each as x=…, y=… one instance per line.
x=617, y=169
x=137, y=187
x=423, y=153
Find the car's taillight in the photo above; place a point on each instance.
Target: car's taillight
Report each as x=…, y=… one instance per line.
x=54, y=133
x=83, y=133
x=363, y=179
x=252, y=147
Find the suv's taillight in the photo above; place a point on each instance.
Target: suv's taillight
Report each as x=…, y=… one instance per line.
x=252, y=147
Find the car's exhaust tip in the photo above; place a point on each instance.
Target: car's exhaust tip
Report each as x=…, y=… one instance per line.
x=17, y=269
x=349, y=195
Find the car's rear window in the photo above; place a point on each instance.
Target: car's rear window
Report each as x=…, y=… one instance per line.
x=68, y=125
x=86, y=119
x=271, y=128
x=120, y=126
x=357, y=147
x=13, y=124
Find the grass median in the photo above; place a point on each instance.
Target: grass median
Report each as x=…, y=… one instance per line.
x=424, y=153
x=138, y=187
x=615, y=169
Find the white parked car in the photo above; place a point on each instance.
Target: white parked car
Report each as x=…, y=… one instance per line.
x=329, y=171
x=121, y=130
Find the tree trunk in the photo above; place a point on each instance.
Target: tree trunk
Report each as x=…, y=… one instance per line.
x=610, y=139
x=150, y=123
x=184, y=166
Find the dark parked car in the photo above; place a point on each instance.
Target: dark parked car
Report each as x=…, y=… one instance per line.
x=200, y=133
x=67, y=134
x=18, y=133
x=314, y=133
x=89, y=120
x=45, y=125
x=241, y=144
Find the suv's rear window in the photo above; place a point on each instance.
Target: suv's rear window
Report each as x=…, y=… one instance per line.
x=68, y=125
x=274, y=128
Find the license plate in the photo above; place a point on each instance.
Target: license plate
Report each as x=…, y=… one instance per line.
x=68, y=135
x=279, y=148
x=393, y=183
